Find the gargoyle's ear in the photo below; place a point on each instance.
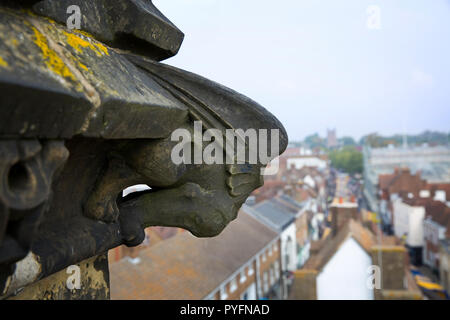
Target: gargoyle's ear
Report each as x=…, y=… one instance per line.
x=214, y=103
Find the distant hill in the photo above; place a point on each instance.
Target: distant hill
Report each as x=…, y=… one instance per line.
x=316, y=142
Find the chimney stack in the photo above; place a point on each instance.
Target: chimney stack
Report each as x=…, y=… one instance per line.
x=341, y=213
x=304, y=286
x=392, y=262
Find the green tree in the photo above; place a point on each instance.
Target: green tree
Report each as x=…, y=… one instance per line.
x=315, y=141
x=347, y=141
x=348, y=159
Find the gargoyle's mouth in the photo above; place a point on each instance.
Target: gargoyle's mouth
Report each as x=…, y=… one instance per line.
x=211, y=226
x=191, y=211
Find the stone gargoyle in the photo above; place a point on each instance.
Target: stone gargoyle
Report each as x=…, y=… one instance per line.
x=87, y=113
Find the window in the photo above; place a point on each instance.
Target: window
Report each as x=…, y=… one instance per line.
x=277, y=269
x=424, y=193
x=249, y=293
x=272, y=276
x=135, y=261
x=287, y=260
x=233, y=285
x=250, y=270
x=242, y=277
x=288, y=250
x=223, y=293
x=275, y=247
x=270, y=251
x=439, y=195
x=265, y=282
x=264, y=256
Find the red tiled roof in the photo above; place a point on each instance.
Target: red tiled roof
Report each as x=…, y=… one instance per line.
x=402, y=181
x=186, y=267
x=294, y=151
x=384, y=180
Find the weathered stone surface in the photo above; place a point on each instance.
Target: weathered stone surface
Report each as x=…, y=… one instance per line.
x=27, y=168
x=81, y=119
x=57, y=83
x=215, y=105
x=94, y=283
x=135, y=25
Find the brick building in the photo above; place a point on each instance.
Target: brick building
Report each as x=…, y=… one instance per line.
x=280, y=219
x=436, y=227
x=392, y=186
x=243, y=262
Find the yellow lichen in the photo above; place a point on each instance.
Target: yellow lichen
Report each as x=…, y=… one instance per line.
x=79, y=43
x=3, y=63
x=84, y=33
x=82, y=66
x=100, y=46
x=52, y=60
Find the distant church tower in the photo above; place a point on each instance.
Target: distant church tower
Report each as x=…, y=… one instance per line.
x=331, y=138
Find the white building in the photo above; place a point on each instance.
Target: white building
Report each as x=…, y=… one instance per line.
x=342, y=264
x=306, y=161
x=436, y=228
x=408, y=222
x=408, y=225
x=289, y=248
x=433, y=234
x=345, y=275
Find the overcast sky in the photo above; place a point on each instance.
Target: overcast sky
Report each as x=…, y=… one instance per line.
x=318, y=64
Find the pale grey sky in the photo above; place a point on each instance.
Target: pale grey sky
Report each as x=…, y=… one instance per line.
x=316, y=64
